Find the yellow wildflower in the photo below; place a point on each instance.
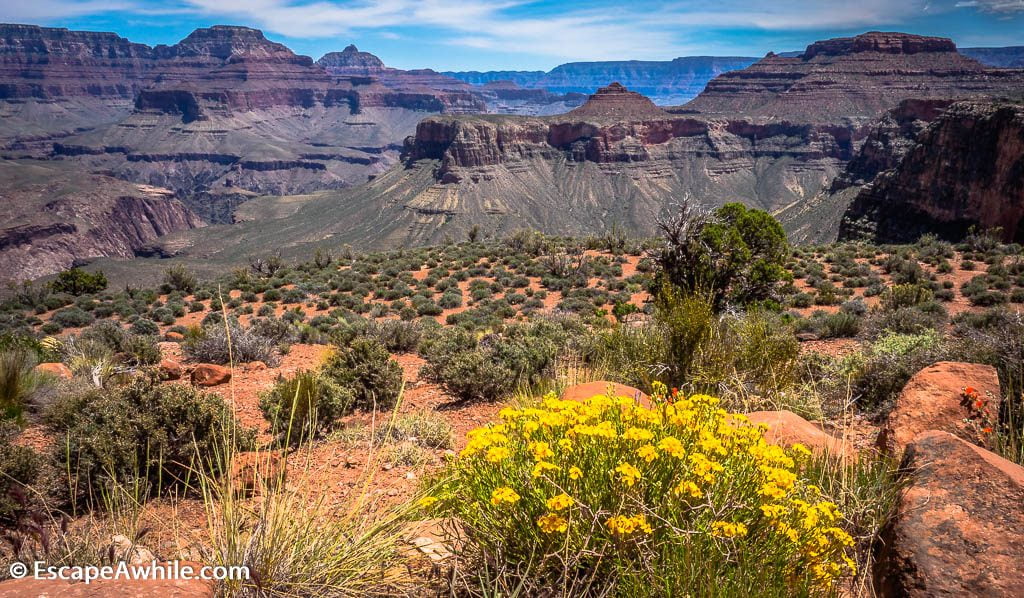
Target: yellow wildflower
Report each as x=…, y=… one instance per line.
x=503, y=496
x=638, y=434
x=575, y=473
x=628, y=474
x=687, y=488
x=541, y=450
x=541, y=467
x=647, y=452
x=562, y=501
x=551, y=523
x=427, y=501
x=725, y=529
x=496, y=454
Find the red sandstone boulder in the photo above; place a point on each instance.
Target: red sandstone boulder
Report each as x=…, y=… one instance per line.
x=170, y=369
x=959, y=530
x=208, y=374
x=582, y=392
x=960, y=398
x=55, y=369
x=786, y=428
x=252, y=471
x=126, y=588
x=174, y=337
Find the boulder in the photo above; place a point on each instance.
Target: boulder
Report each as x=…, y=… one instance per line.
x=960, y=398
x=55, y=369
x=252, y=471
x=582, y=392
x=254, y=366
x=208, y=374
x=134, y=588
x=959, y=528
x=174, y=337
x=786, y=428
x=170, y=369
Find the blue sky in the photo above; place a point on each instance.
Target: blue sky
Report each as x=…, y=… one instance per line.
x=525, y=35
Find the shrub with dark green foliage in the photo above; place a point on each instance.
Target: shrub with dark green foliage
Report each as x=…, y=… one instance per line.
x=396, y=335
x=366, y=369
x=305, y=406
x=161, y=433
x=734, y=256
x=76, y=281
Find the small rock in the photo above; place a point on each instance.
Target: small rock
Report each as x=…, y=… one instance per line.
x=170, y=369
x=133, y=554
x=392, y=492
x=55, y=369
x=582, y=392
x=934, y=399
x=786, y=428
x=253, y=471
x=174, y=337
x=410, y=476
x=804, y=337
x=388, y=467
x=351, y=462
x=208, y=374
x=958, y=528
x=432, y=547
x=255, y=366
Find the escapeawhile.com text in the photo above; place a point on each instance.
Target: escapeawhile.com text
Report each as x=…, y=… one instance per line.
x=171, y=570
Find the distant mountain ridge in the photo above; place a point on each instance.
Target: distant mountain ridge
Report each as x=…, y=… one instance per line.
x=666, y=82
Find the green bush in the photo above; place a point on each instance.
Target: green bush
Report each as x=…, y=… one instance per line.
x=735, y=255
x=76, y=281
x=304, y=406
x=366, y=369
x=73, y=317
x=161, y=434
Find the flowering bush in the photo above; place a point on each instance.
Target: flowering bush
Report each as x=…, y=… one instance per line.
x=680, y=498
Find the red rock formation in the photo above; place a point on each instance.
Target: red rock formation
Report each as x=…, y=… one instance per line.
x=852, y=79
x=786, y=428
x=617, y=102
x=959, y=525
x=935, y=399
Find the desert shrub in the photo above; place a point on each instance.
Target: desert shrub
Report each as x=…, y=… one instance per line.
x=304, y=406
x=76, y=281
x=146, y=326
x=223, y=345
x=840, y=325
x=682, y=500
x=20, y=466
x=735, y=255
x=136, y=349
x=367, y=370
x=904, y=295
x=906, y=320
x=178, y=278
x=423, y=428
x=491, y=367
x=73, y=317
x=159, y=433
x=885, y=367
x=397, y=336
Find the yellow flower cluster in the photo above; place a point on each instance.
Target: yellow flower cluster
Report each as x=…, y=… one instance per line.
x=562, y=464
x=621, y=525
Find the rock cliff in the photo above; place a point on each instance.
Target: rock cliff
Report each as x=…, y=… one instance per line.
x=54, y=216
x=964, y=169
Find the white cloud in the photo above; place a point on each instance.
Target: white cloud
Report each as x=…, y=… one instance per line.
x=39, y=11
x=994, y=6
